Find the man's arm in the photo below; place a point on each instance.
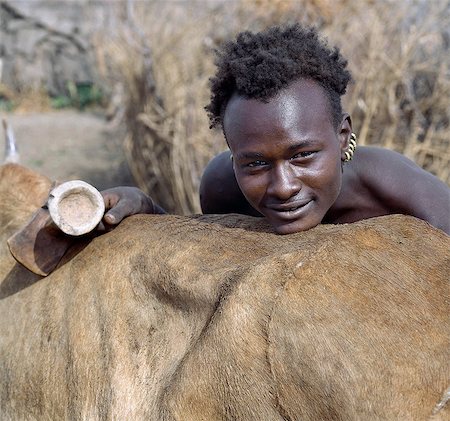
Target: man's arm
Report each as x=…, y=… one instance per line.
x=405, y=187
x=219, y=190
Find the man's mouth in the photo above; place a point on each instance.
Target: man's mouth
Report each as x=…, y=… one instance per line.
x=288, y=211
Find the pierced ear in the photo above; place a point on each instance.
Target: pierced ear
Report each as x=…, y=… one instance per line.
x=344, y=133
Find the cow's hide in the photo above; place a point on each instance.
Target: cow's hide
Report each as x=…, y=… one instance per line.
x=217, y=318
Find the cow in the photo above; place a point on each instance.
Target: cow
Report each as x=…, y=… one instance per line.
x=215, y=317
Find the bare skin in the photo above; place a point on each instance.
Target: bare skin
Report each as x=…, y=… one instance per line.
x=357, y=199
x=121, y=202
x=288, y=166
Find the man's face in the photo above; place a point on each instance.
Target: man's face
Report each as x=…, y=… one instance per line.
x=287, y=154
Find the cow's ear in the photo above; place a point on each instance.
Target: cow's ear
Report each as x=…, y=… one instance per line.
x=40, y=245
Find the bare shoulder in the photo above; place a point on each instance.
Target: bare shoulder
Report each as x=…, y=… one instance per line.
x=383, y=168
x=219, y=190
x=403, y=185
x=382, y=158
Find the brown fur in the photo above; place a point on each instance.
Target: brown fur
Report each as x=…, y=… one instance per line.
x=22, y=191
x=217, y=318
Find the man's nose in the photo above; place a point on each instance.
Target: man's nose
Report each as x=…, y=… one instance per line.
x=284, y=182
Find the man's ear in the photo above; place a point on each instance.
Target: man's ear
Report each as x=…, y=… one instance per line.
x=344, y=133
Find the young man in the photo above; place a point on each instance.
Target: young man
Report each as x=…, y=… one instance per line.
x=277, y=96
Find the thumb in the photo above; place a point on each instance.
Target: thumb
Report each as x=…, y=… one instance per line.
x=117, y=213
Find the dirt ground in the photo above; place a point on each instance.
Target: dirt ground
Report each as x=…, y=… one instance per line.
x=68, y=145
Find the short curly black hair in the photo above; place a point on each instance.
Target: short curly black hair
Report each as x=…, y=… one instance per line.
x=258, y=65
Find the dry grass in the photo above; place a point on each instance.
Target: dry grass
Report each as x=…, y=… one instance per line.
x=399, y=55
x=398, y=52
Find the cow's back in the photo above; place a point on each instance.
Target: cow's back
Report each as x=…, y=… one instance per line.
x=217, y=318
x=350, y=324
x=22, y=191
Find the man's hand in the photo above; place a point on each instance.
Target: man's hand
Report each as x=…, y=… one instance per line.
x=121, y=202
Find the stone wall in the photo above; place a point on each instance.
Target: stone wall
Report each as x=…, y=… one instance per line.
x=48, y=43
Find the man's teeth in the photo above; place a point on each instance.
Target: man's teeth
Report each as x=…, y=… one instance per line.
x=291, y=209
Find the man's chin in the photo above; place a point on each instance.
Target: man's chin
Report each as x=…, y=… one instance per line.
x=299, y=219
x=293, y=227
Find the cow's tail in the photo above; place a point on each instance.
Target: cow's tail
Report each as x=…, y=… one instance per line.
x=11, y=152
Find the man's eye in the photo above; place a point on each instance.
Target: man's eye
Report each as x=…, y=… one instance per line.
x=256, y=164
x=304, y=154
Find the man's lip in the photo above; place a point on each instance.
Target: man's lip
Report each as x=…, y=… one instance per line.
x=291, y=206
x=290, y=211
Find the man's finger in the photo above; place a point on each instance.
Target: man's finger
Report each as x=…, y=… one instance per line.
x=110, y=199
x=101, y=227
x=117, y=213
x=110, y=218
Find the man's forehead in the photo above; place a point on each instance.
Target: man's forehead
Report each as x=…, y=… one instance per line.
x=302, y=99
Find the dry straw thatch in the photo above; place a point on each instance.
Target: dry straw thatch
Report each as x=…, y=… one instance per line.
x=398, y=53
